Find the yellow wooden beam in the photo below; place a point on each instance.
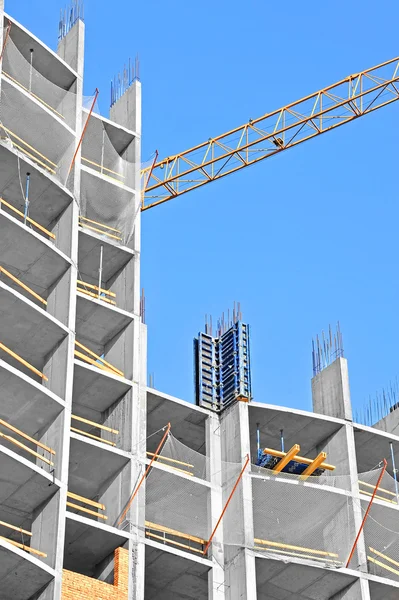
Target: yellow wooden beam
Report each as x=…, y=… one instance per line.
x=76, y=418
x=379, y=497
x=23, y=547
x=96, y=296
x=95, y=287
x=380, y=489
x=384, y=556
x=86, y=510
x=301, y=459
x=178, y=462
x=286, y=458
x=22, y=285
x=314, y=465
x=98, y=223
x=26, y=436
x=29, y=450
x=21, y=214
x=174, y=532
x=15, y=528
x=168, y=541
x=22, y=361
x=94, y=437
x=380, y=564
x=115, y=237
x=290, y=547
x=300, y=555
x=86, y=500
x=91, y=162
x=91, y=353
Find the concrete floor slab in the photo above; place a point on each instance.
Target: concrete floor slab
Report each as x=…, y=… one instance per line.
x=173, y=577
x=97, y=321
x=95, y=389
x=277, y=580
x=23, y=485
x=26, y=328
x=92, y=465
x=187, y=420
x=87, y=543
x=28, y=255
x=306, y=429
x=21, y=575
x=48, y=198
x=25, y=403
x=114, y=258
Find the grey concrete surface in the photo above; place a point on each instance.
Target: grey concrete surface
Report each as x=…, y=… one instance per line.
x=330, y=391
x=372, y=447
x=92, y=466
x=48, y=198
x=25, y=403
x=29, y=256
x=290, y=581
x=21, y=575
x=306, y=429
x=47, y=62
x=87, y=543
x=89, y=256
x=172, y=577
x=24, y=486
x=383, y=590
x=95, y=389
x=187, y=420
x=98, y=322
x=27, y=329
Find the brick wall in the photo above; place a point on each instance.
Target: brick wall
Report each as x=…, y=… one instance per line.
x=80, y=587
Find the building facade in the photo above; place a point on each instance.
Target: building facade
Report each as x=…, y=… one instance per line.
x=79, y=428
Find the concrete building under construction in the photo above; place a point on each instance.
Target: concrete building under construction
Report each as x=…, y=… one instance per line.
x=110, y=489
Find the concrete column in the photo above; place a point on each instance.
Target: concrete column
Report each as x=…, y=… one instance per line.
x=216, y=576
x=331, y=396
x=330, y=391
x=240, y=572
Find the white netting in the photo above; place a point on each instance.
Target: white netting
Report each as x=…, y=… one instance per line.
x=184, y=458
x=109, y=204
x=60, y=101
x=381, y=530
x=30, y=115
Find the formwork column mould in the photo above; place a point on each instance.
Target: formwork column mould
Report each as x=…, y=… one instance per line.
x=222, y=368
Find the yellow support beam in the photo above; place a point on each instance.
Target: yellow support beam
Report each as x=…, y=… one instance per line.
x=86, y=500
x=21, y=214
x=314, y=465
x=95, y=287
x=26, y=436
x=384, y=556
x=299, y=548
x=379, y=489
x=286, y=458
x=15, y=528
x=380, y=564
x=301, y=459
x=168, y=541
x=178, y=462
x=22, y=361
x=26, y=448
x=104, y=427
x=22, y=285
x=87, y=510
x=185, y=536
x=94, y=437
x=24, y=547
x=91, y=353
x=300, y=555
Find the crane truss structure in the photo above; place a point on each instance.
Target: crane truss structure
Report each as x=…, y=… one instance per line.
x=335, y=105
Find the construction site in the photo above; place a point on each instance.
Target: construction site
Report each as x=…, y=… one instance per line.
x=111, y=489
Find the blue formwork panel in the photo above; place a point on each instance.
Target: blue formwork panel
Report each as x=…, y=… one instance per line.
x=222, y=368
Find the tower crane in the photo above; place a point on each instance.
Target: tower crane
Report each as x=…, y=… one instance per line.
x=274, y=132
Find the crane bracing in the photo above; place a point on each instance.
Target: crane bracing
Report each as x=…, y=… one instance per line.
x=261, y=138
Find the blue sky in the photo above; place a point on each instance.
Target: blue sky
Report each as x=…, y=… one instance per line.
x=302, y=240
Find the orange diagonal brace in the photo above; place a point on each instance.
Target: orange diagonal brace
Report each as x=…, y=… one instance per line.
x=134, y=494
x=84, y=131
x=5, y=39
x=367, y=513
x=226, y=505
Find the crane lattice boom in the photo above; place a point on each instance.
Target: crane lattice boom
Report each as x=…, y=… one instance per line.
x=340, y=103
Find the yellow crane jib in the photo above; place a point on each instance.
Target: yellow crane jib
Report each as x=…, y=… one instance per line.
x=326, y=109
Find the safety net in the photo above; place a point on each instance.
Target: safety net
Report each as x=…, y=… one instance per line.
x=36, y=115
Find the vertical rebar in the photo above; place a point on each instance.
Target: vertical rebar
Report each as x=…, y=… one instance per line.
x=100, y=270
x=394, y=472
x=282, y=440
x=26, y=209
